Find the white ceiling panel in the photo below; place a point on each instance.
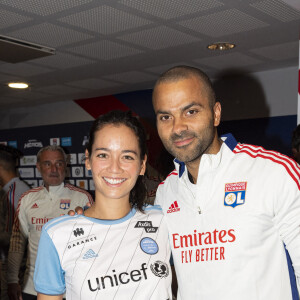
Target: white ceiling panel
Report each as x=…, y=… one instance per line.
x=160, y=69
x=105, y=20
x=159, y=38
x=105, y=50
x=228, y=61
x=56, y=35
x=131, y=77
x=44, y=7
x=277, y=10
x=222, y=24
x=279, y=52
x=59, y=90
x=23, y=69
x=93, y=84
x=168, y=9
x=63, y=61
x=9, y=18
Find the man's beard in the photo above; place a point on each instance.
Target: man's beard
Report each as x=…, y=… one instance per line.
x=200, y=144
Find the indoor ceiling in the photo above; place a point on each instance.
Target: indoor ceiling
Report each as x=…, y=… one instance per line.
x=113, y=46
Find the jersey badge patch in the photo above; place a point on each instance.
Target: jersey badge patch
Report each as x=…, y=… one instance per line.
x=65, y=203
x=147, y=225
x=160, y=269
x=149, y=246
x=235, y=194
x=90, y=254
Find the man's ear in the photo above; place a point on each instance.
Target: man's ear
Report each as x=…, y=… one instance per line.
x=87, y=160
x=143, y=167
x=38, y=167
x=217, y=114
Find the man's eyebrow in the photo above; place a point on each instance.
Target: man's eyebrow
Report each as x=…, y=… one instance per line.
x=191, y=105
x=182, y=108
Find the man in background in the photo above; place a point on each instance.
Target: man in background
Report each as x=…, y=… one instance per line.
x=296, y=144
x=12, y=189
x=36, y=207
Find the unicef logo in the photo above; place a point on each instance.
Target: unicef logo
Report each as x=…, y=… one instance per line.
x=149, y=246
x=160, y=269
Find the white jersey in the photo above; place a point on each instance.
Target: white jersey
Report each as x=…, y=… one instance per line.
x=228, y=231
x=36, y=207
x=90, y=258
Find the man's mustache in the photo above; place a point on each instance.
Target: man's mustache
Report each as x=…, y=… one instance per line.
x=175, y=137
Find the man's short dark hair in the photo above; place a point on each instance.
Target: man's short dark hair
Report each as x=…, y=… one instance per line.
x=9, y=157
x=296, y=138
x=185, y=72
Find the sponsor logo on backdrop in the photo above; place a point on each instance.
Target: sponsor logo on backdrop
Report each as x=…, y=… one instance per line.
x=13, y=144
x=85, y=140
x=66, y=141
x=26, y=172
x=72, y=158
x=28, y=160
x=82, y=184
x=81, y=158
x=88, y=173
x=33, y=144
x=55, y=141
x=77, y=171
x=92, y=185
x=37, y=173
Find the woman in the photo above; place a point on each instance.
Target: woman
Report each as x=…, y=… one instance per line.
x=119, y=248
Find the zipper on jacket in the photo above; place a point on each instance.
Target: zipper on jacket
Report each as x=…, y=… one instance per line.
x=199, y=210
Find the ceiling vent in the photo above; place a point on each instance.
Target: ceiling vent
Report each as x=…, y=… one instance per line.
x=15, y=51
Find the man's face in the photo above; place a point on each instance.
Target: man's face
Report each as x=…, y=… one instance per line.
x=52, y=167
x=186, y=122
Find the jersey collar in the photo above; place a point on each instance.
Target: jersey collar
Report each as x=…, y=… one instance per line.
x=229, y=141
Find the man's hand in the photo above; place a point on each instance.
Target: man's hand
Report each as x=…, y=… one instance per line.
x=79, y=210
x=14, y=291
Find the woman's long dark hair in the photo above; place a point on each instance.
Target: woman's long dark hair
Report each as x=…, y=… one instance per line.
x=116, y=117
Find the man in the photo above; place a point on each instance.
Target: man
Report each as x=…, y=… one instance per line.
x=12, y=189
x=36, y=207
x=296, y=144
x=230, y=207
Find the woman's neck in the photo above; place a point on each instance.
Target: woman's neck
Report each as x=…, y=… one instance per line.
x=112, y=209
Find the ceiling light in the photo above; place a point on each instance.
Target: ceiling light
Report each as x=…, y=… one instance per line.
x=18, y=85
x=221, y=46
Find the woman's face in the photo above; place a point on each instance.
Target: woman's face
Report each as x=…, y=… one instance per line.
x=115, y=162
